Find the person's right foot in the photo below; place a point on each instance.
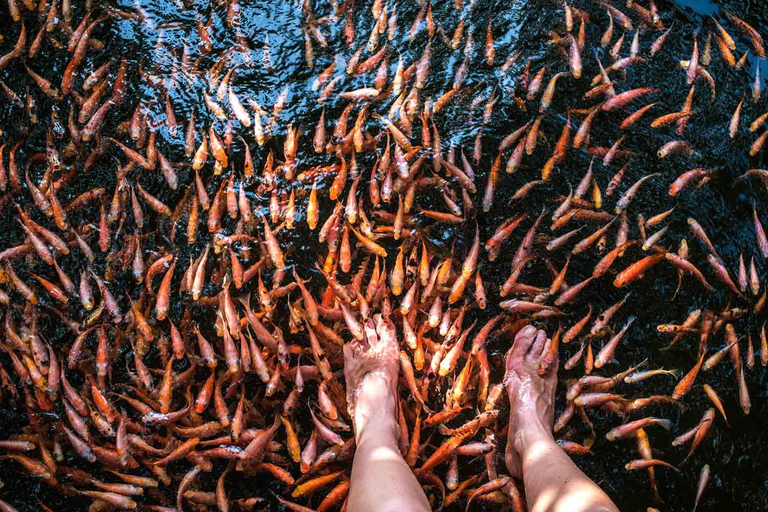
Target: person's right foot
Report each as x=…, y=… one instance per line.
x=531, y=396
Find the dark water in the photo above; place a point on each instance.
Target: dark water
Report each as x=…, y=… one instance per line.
x=737, y=456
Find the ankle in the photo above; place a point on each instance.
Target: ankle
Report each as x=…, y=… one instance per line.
x=377, y=425
x=531, y=433
x=374, y=405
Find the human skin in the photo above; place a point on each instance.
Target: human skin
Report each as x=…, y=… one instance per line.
x=552, y=481
x=381, y=480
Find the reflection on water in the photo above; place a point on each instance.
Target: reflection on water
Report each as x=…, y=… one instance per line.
x=702, y=7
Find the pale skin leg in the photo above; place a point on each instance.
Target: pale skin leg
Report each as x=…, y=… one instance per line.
x=552, y=481
x=381, y=480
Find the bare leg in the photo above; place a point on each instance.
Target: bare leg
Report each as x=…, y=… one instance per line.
x=552, y=481
x=381, y=480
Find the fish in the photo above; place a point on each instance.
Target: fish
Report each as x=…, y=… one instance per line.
x=641, y=376
x=631, y=428
x=702, y=485
x=756, y=39
x=625, y=98
x=686, y=382
x=637, y=270
x=647, y=463
x=606, y=353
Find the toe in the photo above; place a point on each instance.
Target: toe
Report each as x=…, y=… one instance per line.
x=350, y=351
x=385, y=330
x=523, y=341
x=538, y=344
x=349, y=365
x=371, y=338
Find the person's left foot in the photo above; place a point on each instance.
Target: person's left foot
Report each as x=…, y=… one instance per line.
x=371, y=370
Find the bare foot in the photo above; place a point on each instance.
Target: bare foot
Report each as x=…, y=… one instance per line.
x=371, y=368
x=531, y=396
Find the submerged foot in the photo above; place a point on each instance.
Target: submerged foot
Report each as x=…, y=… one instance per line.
x=531, y=396
x=371, y=368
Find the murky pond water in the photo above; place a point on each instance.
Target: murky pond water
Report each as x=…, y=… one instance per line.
x=182, y=48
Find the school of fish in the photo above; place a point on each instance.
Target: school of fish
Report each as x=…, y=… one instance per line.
x=217, y=354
